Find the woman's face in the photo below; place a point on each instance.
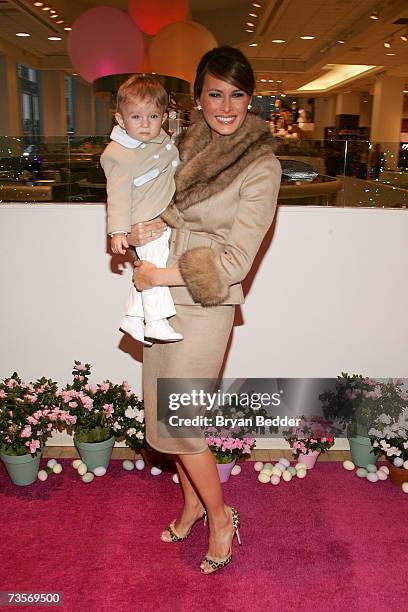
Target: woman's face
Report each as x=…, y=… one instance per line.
x=224, y=106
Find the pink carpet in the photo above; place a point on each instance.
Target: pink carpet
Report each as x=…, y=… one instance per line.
x=329, y=542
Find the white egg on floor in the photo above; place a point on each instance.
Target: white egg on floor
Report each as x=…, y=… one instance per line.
x=264, y=478
x=284, y=461
x=57, y=468
x=280, y=466
x=370, y=467
x=385, y=469
x=175, y=478
x=300, y=466
x=276, y=471
x=87, y=477
x=405, y=465
x=292, y=470
x=258, y=465
x=99, y=471
x=404, y=487
x=267, y=466
x=382, y=475
x=275, y=480
x=348, y=465
x=236, y=470
x=128, y=465
x=140, y=464
x=76, y=463
x=155, y=471
x=42, y=475
x=82, y=469
x=301, y=473
x=287, y=476
x=398, y=462
x=51, y=463
x=372, y=477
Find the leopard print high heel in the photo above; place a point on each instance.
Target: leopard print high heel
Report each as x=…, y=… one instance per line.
x=174, y=537
x=213, y=564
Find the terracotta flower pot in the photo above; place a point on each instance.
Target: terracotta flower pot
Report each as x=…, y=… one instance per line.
x=397, y=475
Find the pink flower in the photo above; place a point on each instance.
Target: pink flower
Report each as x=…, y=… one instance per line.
x=108, y=408
x=32, y=420
x=31, y=398
x=80, y=378
x=33, y=445
x=26, y=433
x=80, y=367
x=91, y=388
x=2, y=393
x=10, y=383
x=125, y=385
x=104, y=387
x=73, y=404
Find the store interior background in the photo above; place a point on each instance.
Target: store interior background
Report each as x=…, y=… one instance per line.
x=328, y=295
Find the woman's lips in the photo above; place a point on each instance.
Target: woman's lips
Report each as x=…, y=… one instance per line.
x=225, y=119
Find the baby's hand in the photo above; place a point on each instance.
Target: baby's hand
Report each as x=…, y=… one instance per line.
x=119, y=244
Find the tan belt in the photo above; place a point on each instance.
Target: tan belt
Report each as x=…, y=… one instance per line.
x=185, y=239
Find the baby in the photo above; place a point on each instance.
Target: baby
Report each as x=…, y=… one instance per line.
x=139, y=165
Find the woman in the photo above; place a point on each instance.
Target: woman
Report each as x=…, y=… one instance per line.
x=225, y=201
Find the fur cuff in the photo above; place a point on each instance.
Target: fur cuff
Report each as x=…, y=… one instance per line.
x=202, y=276
x=172, y=217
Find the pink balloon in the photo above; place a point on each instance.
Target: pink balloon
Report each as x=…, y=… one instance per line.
x=104, y=41
x=152, y=15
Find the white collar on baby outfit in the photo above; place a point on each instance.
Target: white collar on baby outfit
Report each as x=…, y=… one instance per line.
x=122, y=137
x=119, y=135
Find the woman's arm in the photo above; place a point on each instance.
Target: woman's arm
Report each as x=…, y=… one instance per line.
x=147, y=276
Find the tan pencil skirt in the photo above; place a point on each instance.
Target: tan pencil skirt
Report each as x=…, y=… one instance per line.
x=199, y=355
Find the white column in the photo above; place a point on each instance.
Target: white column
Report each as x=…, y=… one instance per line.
x=10, y=110
x=54, y=116
x=348, y=103
x=387, y=117
x=84, y=110
x=325, y=115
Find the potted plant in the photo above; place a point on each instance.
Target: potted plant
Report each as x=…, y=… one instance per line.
x=28, y=414
x=227, y=449
x=310, y=438
x=355, y=403
x=390, y=437
x=102, y=412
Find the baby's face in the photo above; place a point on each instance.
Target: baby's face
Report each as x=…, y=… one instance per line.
x=141, y=119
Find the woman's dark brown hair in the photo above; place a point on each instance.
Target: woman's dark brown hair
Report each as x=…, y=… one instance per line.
x=227, y=64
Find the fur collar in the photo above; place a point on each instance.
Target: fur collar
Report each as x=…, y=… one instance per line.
x=210, y=162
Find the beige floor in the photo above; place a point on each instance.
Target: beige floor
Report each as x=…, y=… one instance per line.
x=257, y=455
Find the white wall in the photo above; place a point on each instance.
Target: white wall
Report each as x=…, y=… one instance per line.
x=329, y=296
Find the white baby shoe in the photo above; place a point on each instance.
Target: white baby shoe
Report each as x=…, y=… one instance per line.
x=162, y=330
x=134, y=326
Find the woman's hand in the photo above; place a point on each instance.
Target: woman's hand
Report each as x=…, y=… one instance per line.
x=143, y=275
x=145, y=232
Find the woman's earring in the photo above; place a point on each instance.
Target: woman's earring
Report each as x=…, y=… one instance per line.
x=199, y=107
x=249, y=106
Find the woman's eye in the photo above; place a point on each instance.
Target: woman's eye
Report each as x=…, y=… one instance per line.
x=237, y=94
x=214, y=94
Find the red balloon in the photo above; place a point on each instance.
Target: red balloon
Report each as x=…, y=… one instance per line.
x=103, y=41
x=152, y=15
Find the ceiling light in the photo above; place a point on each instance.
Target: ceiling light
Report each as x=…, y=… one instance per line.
x=270, y=81
x=404, y=37
x=387, y=44
x=405, y=91
x=390, y=54
x=250, y=24
x=336, y=74
x=52, y=11
x=38, y=3
x=278, y=41
x=307, y=37
x=22, y=34
x=256, y=5
x=67, y=29
x=253, y=45
x=374, y=15
x=54, y=38
x=263, y=80
x=253, y=15
x=341, y=42
x=46, y=8
x=54, y=16
x=74, y=74
x=248, y=30
x=60, y=21
x=279, y=81
x=283, y=95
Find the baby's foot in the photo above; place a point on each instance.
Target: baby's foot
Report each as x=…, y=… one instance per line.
x=161, y=330
x=134, y=326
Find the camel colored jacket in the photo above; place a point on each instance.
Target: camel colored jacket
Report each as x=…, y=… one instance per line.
x=140, y=178
x=225, y=201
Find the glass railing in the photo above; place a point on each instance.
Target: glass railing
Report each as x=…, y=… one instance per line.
x=315, y=172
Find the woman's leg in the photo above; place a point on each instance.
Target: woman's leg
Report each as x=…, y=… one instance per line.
x=193, y=507
x=202, y=470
